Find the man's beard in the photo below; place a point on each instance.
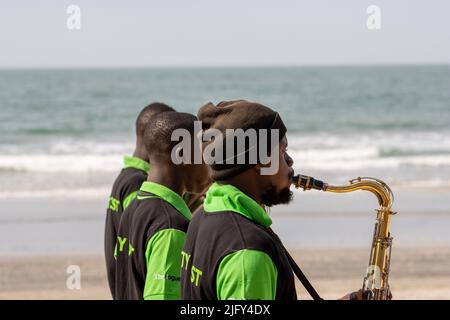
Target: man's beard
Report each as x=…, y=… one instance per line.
x=271, y=197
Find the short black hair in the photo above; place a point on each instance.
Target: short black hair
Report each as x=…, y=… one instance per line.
x=158, y=133
x=147, y=113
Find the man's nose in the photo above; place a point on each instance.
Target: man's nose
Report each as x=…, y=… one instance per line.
x=289, y=160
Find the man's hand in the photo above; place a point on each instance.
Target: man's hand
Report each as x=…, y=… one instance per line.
x=356, y=295
x=361, y=295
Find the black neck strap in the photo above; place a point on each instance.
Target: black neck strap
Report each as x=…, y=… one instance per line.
x=298, y=272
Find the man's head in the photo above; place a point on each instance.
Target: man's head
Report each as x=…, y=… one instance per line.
x=146, y=114
x=276, y=188
x=159, y=146
x=268, y=150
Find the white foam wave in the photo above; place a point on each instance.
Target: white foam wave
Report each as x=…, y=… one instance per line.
x=315, y=151
x=374, y=150
x=434, y=183
x=101, y=192
x=305, y=159
x=61, y=163
x=345, y=161
x=420, y=142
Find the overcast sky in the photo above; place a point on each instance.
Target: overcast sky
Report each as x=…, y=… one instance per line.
x=123, y=33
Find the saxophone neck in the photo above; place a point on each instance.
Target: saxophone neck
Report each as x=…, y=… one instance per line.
x=380, y=189
x=376, y=186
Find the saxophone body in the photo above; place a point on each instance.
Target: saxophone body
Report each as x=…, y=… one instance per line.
x=375, y=284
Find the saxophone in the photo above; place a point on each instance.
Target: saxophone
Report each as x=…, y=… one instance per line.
x=375, y=284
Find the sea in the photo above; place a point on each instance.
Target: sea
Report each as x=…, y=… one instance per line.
x=64, y=132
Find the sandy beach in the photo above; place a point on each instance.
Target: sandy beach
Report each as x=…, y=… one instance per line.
x=420, y=273
x=332, y=248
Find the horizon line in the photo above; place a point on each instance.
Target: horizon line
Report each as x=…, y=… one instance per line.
x=219, y=66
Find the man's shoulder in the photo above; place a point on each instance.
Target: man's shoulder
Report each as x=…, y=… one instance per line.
x=151, y=209
x=132, y=176
x=232, y=228
x=225, y=217
x=128, y=180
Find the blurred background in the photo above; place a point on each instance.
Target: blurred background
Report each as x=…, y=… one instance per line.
x=356, y=101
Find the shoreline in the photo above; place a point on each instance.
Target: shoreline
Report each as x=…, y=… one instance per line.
x=58, y=227
x=100, y=193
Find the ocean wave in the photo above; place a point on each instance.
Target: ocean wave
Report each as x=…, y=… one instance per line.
x=345, y=160
x=434, y=183
x=403, y=142
x=348, y=159
x=100, y=192
x=315, y=151
x=60, y=163
x=374, y=150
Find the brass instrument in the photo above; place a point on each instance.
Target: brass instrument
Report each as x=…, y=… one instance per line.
x=375, y=284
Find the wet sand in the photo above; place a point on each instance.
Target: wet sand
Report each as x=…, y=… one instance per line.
x=416, y=273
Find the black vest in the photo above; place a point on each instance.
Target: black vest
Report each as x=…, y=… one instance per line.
x=129, y=180
x=139, y=222
x=212, y=236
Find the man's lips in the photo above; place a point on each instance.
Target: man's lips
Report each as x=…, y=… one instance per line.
x=291, y=174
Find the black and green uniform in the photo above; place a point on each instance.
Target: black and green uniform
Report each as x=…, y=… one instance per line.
x=231, y=253
x=124, y=190
x=151, y=236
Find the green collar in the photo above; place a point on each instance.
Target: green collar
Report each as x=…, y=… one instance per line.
x=137, y=163
x=167, y=195
x=229, y=198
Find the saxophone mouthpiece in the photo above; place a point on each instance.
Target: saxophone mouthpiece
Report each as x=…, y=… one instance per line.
x=308, y=183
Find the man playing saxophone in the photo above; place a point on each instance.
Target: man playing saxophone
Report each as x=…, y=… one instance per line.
x=231, y=252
